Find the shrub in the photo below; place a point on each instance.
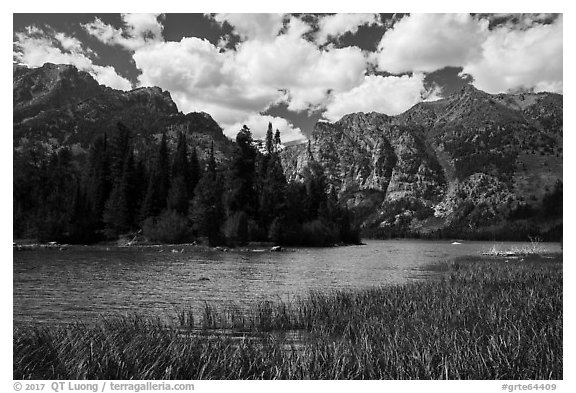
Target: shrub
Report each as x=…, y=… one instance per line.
x=316, y=233
x=169, y=227
x=236, y=228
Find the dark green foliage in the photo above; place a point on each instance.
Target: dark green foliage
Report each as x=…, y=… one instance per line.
x=82, y=225
x=194, y=173
x=277, y=140
x=241, y=189
x=121, y=207
x=552, y=202
x=159, y=183
x=178, y=195
x=117, y=191
x=269, y=140
x=44, y=190
x=207, y=208
x=315, y=183
x=99, y=183
x=169, y=227
x=272, y=199
x=236, y=228
x=181, y=182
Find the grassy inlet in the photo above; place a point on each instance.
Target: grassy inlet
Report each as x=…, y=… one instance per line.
x=484, y=319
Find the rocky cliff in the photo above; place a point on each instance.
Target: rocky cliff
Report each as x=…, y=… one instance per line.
x=468, y=162
x=56, y=105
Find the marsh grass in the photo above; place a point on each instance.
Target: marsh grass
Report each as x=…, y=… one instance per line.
x=535, y=248
x=480, y=320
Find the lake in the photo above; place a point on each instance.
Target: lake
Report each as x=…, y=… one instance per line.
x=84, y=282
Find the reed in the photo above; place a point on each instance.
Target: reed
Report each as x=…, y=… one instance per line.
x=482, y=319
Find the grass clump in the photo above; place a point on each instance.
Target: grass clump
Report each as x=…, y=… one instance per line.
x=482, y=319
x=535, y=248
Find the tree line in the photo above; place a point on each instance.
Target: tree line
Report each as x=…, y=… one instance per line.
x=175, y=197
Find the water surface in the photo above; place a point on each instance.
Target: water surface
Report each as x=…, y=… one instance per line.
x=85, y=282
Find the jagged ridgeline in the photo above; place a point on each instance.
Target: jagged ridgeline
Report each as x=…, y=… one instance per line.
x=92, y=163
x=473, y=165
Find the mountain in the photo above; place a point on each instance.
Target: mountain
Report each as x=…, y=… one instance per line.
x=470, y=165
x=58, y=105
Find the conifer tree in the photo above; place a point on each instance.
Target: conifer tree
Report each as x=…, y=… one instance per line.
x=194, y=171
x=119, y=212
x=207, y=209
x=277, y=140
x=158, y=185
x=178, y=195
x=315, y=183
x=241, y=190
x=269, y=139
x=98, y=181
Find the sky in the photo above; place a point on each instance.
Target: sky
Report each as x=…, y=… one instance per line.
x=295, y=69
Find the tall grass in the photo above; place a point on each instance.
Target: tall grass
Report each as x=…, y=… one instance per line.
x=481, y=320
x=535, y=248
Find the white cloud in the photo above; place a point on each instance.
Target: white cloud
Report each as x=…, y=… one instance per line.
x=258, y=125
x=139, y=30
x=527, y=58
x=308, y=74
x=36, y=47
x=427, y=42
x=524, y=51
x=390, y=95
x=200, y=78
x=233, y=85
x=262, y=27
x=336, y=25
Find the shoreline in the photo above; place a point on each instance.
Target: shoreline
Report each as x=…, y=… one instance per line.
x=464, y=325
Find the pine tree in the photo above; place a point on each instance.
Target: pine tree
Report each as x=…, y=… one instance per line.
x=273, y=194
x=315, y=183
x=207, y=209
x=119, y=212
x=269, y=139
x=98, y=183
x=241, y=191
x=158, y=185
x=194, y=171
x=277, y=140
x=178, y=195
x=119, y=149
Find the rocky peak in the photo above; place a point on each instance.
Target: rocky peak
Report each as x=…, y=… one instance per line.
x=425, y=159
x=59, y=105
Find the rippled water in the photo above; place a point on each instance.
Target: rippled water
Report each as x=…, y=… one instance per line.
x=85, y=282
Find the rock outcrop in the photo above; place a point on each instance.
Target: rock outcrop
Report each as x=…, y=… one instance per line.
x=58, y=105
x=466, y=161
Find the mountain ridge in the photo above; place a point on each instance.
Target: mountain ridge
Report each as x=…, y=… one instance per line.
x=59, y=105
x=472, y=162
x=418, y=172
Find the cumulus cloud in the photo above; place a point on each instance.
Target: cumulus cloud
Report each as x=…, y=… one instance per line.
x=501, y=52
x=233, y=85
x=34, y=47
x=525, y=58
x=258, y=125
x=138, y=30
x=333, y=26
x=428, y=42
x=385, y=94
x=253, y=26
x=201, y=78
x=292, y=63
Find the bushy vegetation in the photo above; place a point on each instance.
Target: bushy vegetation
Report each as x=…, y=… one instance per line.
x=172, y=196
x=482, y=320
x=169, y=227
